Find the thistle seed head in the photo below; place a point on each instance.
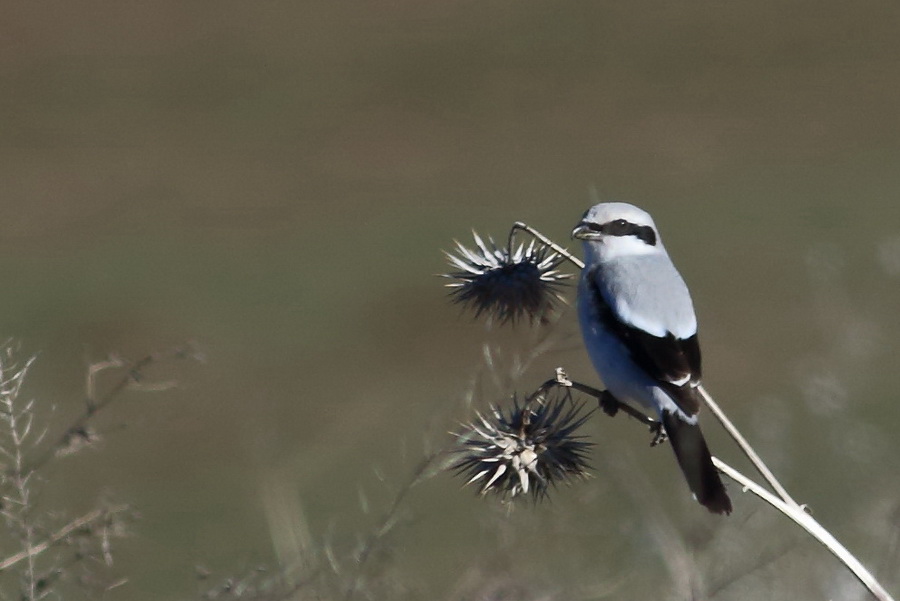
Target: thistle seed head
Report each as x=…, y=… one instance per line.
x=526, y=449
x=504, y=283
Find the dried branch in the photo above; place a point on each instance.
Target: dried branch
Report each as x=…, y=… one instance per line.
x=803, y=519
x=60, y=535
x=79, y=429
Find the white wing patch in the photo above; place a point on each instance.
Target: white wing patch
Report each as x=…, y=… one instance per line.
x=681, y=381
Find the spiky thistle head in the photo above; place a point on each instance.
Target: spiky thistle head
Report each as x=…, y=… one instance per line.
x=527, y=449
x=507, y=283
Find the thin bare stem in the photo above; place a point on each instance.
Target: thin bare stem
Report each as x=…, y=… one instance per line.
x=93, y=405
x=562, y=379
x=56, y=537
x=524, y=226
x=751, y=454
x=808, y=523
x=90, y=376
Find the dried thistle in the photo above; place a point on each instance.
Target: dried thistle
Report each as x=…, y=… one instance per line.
x=526, y=449
x=508, y=284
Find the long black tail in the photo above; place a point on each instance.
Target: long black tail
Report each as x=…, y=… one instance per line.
x=696, y=464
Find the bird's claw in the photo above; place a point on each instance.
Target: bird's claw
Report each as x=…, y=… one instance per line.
x=609, y=404
x=659, y=434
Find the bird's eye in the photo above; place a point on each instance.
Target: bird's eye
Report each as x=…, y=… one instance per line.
x=620, y=222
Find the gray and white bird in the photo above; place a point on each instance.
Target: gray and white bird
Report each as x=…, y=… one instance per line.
x=640, y=331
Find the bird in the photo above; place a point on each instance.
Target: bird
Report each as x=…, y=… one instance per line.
x=640, y=331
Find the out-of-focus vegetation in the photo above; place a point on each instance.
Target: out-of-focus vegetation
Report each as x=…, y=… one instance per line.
x=275, y=182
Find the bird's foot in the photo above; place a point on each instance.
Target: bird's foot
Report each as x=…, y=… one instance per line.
x=659, y=434
x=608, y=403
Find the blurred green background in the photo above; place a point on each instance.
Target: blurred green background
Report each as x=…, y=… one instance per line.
x=275, y=181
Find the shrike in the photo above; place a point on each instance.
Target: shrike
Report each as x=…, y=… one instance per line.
x=640, y=331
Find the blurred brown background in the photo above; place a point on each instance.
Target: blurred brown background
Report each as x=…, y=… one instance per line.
x=275, y=181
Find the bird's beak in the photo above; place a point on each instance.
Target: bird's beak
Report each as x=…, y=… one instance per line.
x=580, y=231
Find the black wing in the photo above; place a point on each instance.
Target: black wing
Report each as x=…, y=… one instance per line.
x=673, y=362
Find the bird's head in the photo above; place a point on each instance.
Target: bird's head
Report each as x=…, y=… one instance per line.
x=617, y=229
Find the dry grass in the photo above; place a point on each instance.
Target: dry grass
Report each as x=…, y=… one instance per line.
x=51, y=552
